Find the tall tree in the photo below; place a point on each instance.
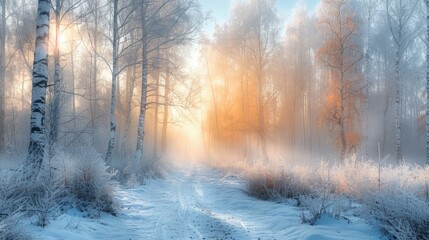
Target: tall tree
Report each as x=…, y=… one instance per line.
x=3, y=31
x=61, y=9
x=400, y=17
x=39, y=83
x=144, y=68
x=341, y=54
x=171, y=23
x=115, y=45
x=55, y=115
x=427, y=81
x=370, y=7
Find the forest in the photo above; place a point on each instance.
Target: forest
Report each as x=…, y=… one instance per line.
x=118, y=112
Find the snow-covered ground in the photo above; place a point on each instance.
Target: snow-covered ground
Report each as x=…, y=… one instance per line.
x=196, y=202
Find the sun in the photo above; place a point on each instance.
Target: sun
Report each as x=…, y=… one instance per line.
x=63, y=38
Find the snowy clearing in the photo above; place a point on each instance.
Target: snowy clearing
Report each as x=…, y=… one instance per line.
x=196, y=202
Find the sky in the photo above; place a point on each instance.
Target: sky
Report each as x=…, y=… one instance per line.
x=220, y=9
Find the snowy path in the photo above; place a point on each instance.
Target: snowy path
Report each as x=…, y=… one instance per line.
x=195, y=202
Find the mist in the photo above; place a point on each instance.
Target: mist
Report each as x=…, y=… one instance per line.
x=320, y=104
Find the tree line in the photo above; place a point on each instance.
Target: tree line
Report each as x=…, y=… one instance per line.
x=349, y=77
x=93, y=72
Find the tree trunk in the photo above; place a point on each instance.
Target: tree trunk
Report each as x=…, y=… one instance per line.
x=93, y=83
x=138, y=156
x=2, y=75
x=261, y=124
x=73, y=75
x=155, y=127
x=57, y=77
x=427, y=82
x=39, y=82
x=367, y=76
x=214, y=99
x=166, y=112
x=398, y=107
x=129, y=100
x=111, y=143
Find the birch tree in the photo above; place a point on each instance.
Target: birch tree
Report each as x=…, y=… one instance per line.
x=115, y=43
x=61, y=10
x=427, y=81
x=144, y=69
x=400, y=16
x=370, y=7
x=262, y=33
x=39, y=83
x=3, y=31
x=55, y=115
x=171, y=23
x=124, y=26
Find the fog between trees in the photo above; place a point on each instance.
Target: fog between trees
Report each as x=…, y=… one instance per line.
x=346, y=78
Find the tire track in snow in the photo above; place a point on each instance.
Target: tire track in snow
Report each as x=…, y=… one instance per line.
x=192, y=219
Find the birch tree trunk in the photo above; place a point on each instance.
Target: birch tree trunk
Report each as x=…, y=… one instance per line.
x=111, y=143
x=2, y=74
x=129, y=101
x=138, y=156
x=398, y=106
x=39, y=83
x=155, y=127
x=400, y=15
x=427, y=81
x=371, y=9
x=93, y=83
x=57, y=77
x=166, y=112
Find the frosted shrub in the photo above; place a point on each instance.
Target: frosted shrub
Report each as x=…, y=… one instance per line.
x=12, y=194
x=265, y=184
x=399, y=213
x=12, y=199
x=90, y=183
x=132, y=181
x=39, y=198
x=9, y=228
x=325, y=197
x=394, y=197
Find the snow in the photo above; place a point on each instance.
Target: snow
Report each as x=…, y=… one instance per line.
x=196, y=202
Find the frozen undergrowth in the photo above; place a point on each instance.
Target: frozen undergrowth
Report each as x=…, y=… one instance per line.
x=67, y=180
x=396, y=198
x=194, y=201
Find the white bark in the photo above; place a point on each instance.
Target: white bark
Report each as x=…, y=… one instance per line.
x=39, y=82
x=427, y=81
x=142, y=115
x=400, y=16
x=112, y=138
x=129, y=100
x=57, y=77
x=155, y=127
x=2, y=73
x=398, y=106
x=370, y=11
x=166, y=111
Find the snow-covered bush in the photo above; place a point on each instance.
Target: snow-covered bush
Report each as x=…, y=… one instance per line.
x=395, y=197
x=12, y=194
x=270, y=184
x=90, y=183
x=12, y=200
x=38, y=198
x=137, y=172
x=325, y=197
x=10, y=229
x=399, y=213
